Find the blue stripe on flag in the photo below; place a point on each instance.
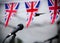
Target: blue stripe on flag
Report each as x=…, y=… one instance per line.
x=6, y=6
x=49, y=3
x=26, y=5
x=17, y=6
x=38, y=4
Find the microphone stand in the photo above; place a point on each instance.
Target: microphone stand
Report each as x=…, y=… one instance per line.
x=12, y=40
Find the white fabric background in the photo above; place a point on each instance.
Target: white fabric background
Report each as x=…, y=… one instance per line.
x=40, y=28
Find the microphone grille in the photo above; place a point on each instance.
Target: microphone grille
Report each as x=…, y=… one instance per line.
x=20, y=26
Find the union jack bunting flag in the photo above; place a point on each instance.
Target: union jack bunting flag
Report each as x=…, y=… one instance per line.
x=31, y=8
x=54, y=8
x=10, y=9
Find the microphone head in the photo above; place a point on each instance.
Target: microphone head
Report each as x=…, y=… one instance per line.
x=20, y=26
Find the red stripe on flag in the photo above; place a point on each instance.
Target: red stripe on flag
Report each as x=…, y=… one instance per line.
x=10, y=13
x=55, y=8
x=30, y=19
x=55, y=12
x=31, y=10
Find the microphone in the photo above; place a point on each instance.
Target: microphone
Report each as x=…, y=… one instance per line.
x=19, y=27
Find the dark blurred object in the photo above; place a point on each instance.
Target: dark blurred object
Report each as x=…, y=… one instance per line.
x=51, y=39
x=15, y=40
x=38, y=14
x=19, y=40
x=58, y=25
